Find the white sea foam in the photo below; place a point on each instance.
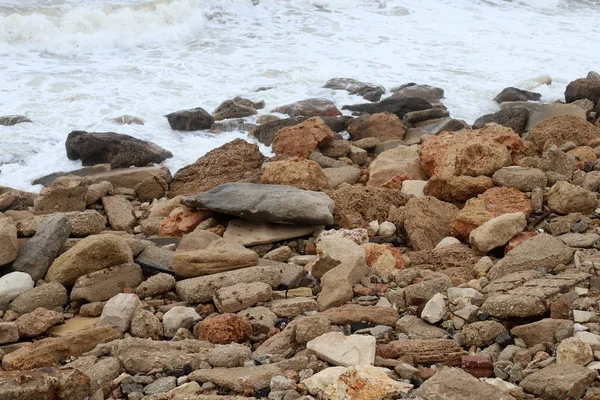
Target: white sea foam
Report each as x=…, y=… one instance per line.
x=76, y=64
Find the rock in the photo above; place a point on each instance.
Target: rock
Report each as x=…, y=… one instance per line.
x=233, y=109
x=265, y=133
x=293, y=307
x=568, y=198
x=12, y=285
x=236, y=161
x=427, y=221
x=182, y=220
x=481, y=334
x=9, y=332
x=337, y=283
x=219, y=256
x=383, y=126
x=515, y=94
x=37, y=322
x=523, y=179
x=50, y=295
x=223, y=329
x=332, y=251
x=241, y=296
x=416, y=117
x=401, y=161
x=435, y=309
x=155, y=285
x=437, y=126
x=429, y=351
x=97, y=191
x=202, y=289
x=8, y=241
x=366, y=90
x=9, y=120
x=301, y=173
x=194, y=119
x=119, y=212
x=119, y=310
x=363, y=382
x=547, y=111
x=251, y=233
x=547, y=330
x=583, y=88
x=506, y=306
x=62, y=195
x=416, y=328
x=89, y=222
x=341, y=350
x=89, y=255
x=395, y=105
x=574, y=351
x=316, y=107
x=120, y=151
x=454, y=383
x=541, y=251
x=284, y=204
x=558, y=382
x=337, y=176
x=45, y=383
x=497, y=231
x=302, y=139
x=336, y=148
x=49, y=352
x=351, y=313
x=430, y=93
x=152, y=187
x=457, y=188
x=179, y=317
x=106, y=283
x=145, y=325
x=584, y=240
x=161, y=385
x=514, y=118
x=156, y=256
x=562, y=129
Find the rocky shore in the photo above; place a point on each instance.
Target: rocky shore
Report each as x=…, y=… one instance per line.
x=396, y=252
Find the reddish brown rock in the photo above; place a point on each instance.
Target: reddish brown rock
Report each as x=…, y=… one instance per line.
x=424, y=351
x=315, y=107
x=584, y=154
x=478, y=366
x=236, y=161
x=37, y=322
x=224, y=329
x=427, y=221
x=383, y=126
x=583, y=88
x=182, y=220
x=562, y=129
x=518, y=239
x=302, y=139
x=298, y=172
x=384, y=258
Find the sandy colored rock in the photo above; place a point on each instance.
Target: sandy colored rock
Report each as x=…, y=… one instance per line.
x=429, y=351
x=562, y=129
x=302, y=139
x=146, y=325
x=497, y=231
x=301, y=173
x=336, y=284
x=559, y=382
x=155, y=285
x=241, y=296
x=47, y=383
x=351, y=313
x=63, y=195
x=383, y=126
x=416, y=328
x=106, y=283
x=49, y=295
x=236, y=161
x=481, y=333
x=85, y=223
x=574, y=351
x=223, y=329
x=523, y=179
x=9, y=332
x=427, y=221
x=401, y=161
x=8, y=241
x=332, y=251
x=569, y=198
x=179, y=317
x=120, y=213
x=457, y=188
x=182, y=220
x=547, y=330
x=506, y=306
x=37, y=322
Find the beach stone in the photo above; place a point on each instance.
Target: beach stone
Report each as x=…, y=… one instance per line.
x=146, y=325
x=156, y=256
x=261, y=318
x=223, y=329
x=568, y=198
x=562, y=129
x=516, y=94
x=8, y=241
x=161, y=385
x=83, y=223
x=202, y=289
x=583, y=88
x=301, y=173
x=179, y=317
x=251, y=233
x=383, y=126
x=336, y=284
x=437, y=126
x=37, y=322
x=541, y=251
x=454, y=383
x=547, y=330
x=332, y=251
x=427, y=221
x=395, y=105
x=119, y=212
x=182, y=220
x=120, y=151
x=270, y=203
x=238, y=297
x=68, y=384
x=152, y=187
x=236, y=161
x=558, y=382
x=219, y=256
x=523, y=179
x=574, y=351
x=415, y=117
x=506, y=306
x=302, y=139
x=10, y=120
x=235, y=108
x=424, y=351
x=337, y=176
x=314, y=107
x=341, y=350
x=63, y=195
x=12, y=285
x=293, y=307
x=9, y=332
x=497, y=231
x=435, y=309
x=481, y=333
x=265, y=133
x=89, y=255
x=430, y=93
x=106, y=283
x=401, y=161
x=457, y=188
x=584, y=240
x=368, y=91
x=351, y=313
x=547, y=111
x=49, y=352
x=336, y=148
x=50, y=295
x=416, y=328
x=97, y=191
x=194, y=119
x=514, y=118
x=119, y=310
x=155, y=285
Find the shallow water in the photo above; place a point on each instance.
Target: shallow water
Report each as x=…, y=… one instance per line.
x=76, y=64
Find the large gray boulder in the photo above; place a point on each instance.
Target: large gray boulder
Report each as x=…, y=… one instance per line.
x=271, y=203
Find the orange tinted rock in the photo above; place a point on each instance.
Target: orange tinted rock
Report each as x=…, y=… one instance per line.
x=562, y=129
x=383, y=126
x=457, y=188
x=518, y=239
x=384, y=258
x=584, y=154
x=302, y=139
x=223, y=329
x=182, y=220
x=301, y=173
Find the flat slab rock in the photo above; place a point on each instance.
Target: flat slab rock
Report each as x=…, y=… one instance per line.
x=345, y=351
x=251, y=233
x=270, y=203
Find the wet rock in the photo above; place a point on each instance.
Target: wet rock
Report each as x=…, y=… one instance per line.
x=366, y=90
x=119, y=310
x=265, y=133
x=12, y=285
x=284, y=204
x=302, y=139
x=497, y=231
x=120, y=151
x=341, y=350
x=301, y=173
x=49, y=295
x=241, y=296
x=194, y=119
x=430, y=93
x=37, y=322
x=516, y=94
x=145, y=325
x=10, y=120
x=316, y=107
x=8, y=241
x=427, y=221
x=583, y=88
x=89, y=255
x=106, y=283
x=481, y=334
x=233, y=109
x=557, y=382
x=514, y=118
x=383, y=126
x=562, y=129
x=223, y=329
x=569, y=198
x=399, y=106
x=67, y=384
